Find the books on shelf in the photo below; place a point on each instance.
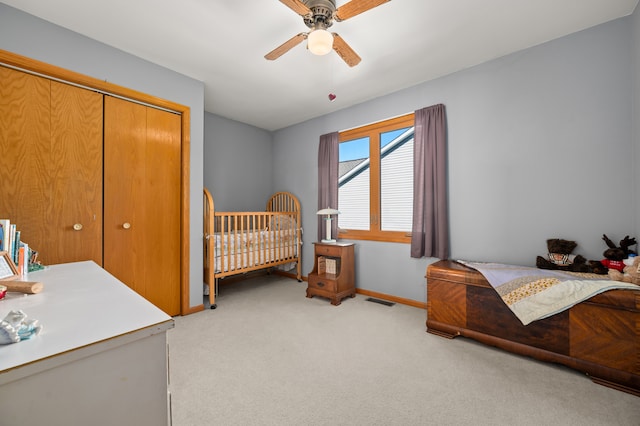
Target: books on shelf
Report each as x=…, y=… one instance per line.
x=328, y=265
x=11, y=241
x=333, y=265
x=322, y=263
x=15, y=243
x=23, y=259
x=5, y=226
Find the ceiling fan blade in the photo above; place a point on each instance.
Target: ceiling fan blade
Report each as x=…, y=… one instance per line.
x=345, y=51
x=286, y=46
x=297, y=6
x=356, y=7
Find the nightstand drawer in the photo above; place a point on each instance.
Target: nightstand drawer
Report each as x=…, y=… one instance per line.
x=318, y=282
x=328, y=250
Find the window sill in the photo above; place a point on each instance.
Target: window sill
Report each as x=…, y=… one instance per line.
x=389, y=237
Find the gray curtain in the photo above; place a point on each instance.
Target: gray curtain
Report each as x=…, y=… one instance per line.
x=328, y=180
x=430, y=229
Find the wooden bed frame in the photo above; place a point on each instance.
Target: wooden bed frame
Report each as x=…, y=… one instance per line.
x=279, y=224
x=600, y=336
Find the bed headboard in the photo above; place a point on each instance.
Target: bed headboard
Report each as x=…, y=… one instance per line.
x=283, y=202
x=278, y=202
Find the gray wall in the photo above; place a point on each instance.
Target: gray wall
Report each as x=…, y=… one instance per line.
x=237, y=164
x=35, y=38
x=540, y=146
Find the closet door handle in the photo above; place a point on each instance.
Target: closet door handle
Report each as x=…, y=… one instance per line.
x=77, y=226
x=126, y=225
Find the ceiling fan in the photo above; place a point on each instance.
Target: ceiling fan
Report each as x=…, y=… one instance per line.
x=319, y=15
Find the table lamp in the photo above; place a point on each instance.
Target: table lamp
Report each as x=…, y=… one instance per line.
x=328, y=212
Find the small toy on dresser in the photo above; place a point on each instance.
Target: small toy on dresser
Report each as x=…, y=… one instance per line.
x=16, y=327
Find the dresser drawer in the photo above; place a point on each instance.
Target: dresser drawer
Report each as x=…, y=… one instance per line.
x=318, y=282
x=328, y=250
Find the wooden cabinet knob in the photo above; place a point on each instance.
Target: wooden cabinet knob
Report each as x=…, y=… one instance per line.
x=126, y=225
x=77, y=227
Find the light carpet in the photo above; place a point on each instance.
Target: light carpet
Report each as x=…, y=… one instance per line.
x=270, y=356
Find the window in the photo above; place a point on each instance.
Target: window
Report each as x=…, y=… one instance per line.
x=375, y=181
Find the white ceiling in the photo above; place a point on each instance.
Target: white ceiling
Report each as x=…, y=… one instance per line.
x=402, y=43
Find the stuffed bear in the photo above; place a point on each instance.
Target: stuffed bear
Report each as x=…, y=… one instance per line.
x=630, y=273
x=560, y=257
x=615, y=256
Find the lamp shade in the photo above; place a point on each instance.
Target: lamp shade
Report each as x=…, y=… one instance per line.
x=320, y=42
x=328, y=210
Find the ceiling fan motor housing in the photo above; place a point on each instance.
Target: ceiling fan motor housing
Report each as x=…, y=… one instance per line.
x=321, y=16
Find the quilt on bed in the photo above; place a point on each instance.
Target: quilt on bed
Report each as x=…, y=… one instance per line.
x=533, y=294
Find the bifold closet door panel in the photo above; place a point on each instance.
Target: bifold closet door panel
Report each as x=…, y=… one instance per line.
x=125, y=134
x=25, y=147
x=51, y=166
x=142, y=180
x=76, y=173
x=162, y=225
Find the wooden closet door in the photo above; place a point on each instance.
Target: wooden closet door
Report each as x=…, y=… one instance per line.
x=124, y=145
x=50, y=167
x=25, y=146
x=162, y=198
x=76, y=174
x=142, y=200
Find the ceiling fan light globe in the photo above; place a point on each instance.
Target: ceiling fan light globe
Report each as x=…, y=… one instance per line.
x=320, y=42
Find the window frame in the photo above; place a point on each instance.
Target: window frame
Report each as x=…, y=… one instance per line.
x=373, y=131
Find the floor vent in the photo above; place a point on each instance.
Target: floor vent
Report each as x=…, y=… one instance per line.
x=382, y=302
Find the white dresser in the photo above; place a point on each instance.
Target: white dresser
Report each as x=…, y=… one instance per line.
x=101, y=358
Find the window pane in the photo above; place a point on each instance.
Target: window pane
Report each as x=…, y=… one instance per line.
x=353, y=184
x=396, y=179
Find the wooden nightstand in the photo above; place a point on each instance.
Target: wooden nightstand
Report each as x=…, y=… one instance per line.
x=333, y=274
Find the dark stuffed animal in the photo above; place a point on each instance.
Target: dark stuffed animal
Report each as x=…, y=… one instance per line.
x=615, y=255
x=625, y=243
x=560, y=257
